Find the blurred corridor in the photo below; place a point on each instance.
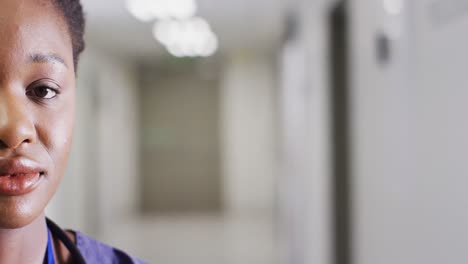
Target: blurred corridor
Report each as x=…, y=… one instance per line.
x=272, y=131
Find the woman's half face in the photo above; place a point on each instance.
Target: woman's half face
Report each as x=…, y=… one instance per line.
x=37, y=91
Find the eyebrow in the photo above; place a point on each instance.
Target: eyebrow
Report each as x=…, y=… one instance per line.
x=46, y=58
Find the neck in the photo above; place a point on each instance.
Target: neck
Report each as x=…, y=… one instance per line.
x=24, y=245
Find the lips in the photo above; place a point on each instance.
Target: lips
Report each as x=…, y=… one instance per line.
x=19, y=176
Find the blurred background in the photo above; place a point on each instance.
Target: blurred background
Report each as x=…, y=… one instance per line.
x=272, y=131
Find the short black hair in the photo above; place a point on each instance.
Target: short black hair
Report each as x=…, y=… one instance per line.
x=73, y=14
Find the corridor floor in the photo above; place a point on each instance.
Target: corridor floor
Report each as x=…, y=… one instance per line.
x=198, y=239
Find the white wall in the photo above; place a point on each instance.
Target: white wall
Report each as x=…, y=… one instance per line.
x=101, y=182
x=306, y=204
x=248, y=109
x=409, y=134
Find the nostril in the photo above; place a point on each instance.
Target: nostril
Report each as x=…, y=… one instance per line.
x=3, y=145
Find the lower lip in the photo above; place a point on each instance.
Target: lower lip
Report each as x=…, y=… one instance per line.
x=20, y=184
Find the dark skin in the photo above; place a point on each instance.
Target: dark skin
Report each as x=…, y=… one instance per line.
x=37, y=95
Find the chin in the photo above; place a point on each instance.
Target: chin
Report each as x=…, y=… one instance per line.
x=19, y=212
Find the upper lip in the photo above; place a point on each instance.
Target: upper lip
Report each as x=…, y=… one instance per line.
x=19, y=166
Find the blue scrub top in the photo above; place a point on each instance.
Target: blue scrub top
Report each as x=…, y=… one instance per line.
x=94, y=251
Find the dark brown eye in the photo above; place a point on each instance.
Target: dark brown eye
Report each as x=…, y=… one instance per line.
x=42, y=92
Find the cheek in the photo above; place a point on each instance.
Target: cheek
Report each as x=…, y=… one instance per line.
x=60, y=144
x=56, y=135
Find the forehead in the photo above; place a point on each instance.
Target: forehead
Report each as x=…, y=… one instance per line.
x=30, y=27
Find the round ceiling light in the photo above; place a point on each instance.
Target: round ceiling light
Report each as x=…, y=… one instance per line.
x=186, y=38
x=147, y=10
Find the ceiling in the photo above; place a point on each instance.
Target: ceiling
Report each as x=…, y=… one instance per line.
x=239, y=24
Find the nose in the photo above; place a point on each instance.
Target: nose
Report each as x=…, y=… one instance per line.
x=16, y=126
